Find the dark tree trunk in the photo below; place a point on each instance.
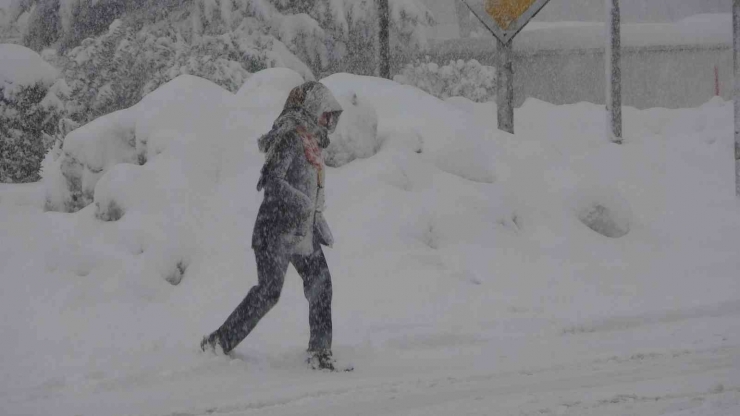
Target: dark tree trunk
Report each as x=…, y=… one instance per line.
x=384, y=39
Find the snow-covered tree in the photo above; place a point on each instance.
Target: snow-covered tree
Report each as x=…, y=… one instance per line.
x=43, y=26
x=224, y=41
x=10, y=24
x=353, y=29
x=115, y=70
x=459, y=78
x=64, y=23
x=30, y=112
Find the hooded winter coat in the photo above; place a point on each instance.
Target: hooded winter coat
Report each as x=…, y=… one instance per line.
x=293, y=174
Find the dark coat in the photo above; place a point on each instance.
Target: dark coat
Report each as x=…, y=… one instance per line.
x=292, y=176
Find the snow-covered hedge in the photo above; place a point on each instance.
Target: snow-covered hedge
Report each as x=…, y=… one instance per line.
x=125, y=137
x=356, y=135
x=29, y=112
x=469, y=79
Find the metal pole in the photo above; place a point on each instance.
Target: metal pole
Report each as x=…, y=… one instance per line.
x=505, y=87
x=736, y=88
x=717, y=92
x=612, y=57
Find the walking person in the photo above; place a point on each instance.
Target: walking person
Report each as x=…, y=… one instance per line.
x=290, y=227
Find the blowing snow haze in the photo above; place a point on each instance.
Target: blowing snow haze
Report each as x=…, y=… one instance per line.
x=468, y=271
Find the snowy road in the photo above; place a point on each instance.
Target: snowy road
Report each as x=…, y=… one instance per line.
x=576, y=389
x=698, y=372
x=679, y=364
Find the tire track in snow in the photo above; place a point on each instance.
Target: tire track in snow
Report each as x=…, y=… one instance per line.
x=400, y=397
x=629, y=322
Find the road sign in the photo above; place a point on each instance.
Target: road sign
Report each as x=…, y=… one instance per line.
x=505, y=18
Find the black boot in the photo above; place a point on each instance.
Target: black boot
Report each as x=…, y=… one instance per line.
x=212, y=344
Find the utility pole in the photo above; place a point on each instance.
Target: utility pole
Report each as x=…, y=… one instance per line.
x=384, y=39
x=612, y=58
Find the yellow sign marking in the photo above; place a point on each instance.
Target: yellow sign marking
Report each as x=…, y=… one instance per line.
x=504, y=12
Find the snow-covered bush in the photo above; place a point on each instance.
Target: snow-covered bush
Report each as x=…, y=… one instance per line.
x=137, y=136
x=469, y=79
x=356, y=135
x=30, y=112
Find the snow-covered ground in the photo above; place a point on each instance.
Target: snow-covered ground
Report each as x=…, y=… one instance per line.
x=466, y=280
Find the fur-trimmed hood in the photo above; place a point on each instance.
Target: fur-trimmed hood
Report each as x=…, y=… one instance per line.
x=303, y=108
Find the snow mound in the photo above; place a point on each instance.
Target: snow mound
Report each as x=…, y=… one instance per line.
x=443, y=133
x=604, y=212
x=152, y=166
x=269, y=81
x=87, y=154
x=22, y=67
x=356, y=135
x=469, y=159
x=133, y=136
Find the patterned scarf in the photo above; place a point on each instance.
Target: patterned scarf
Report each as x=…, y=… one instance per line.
x=313, y=152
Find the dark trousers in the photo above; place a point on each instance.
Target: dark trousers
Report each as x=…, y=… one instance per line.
x=272, y=264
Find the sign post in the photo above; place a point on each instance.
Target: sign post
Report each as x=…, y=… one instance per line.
x=505, y=87
x=505, y=19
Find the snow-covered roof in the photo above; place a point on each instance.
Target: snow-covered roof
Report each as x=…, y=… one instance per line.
x=20, y=66
x=707, y=30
